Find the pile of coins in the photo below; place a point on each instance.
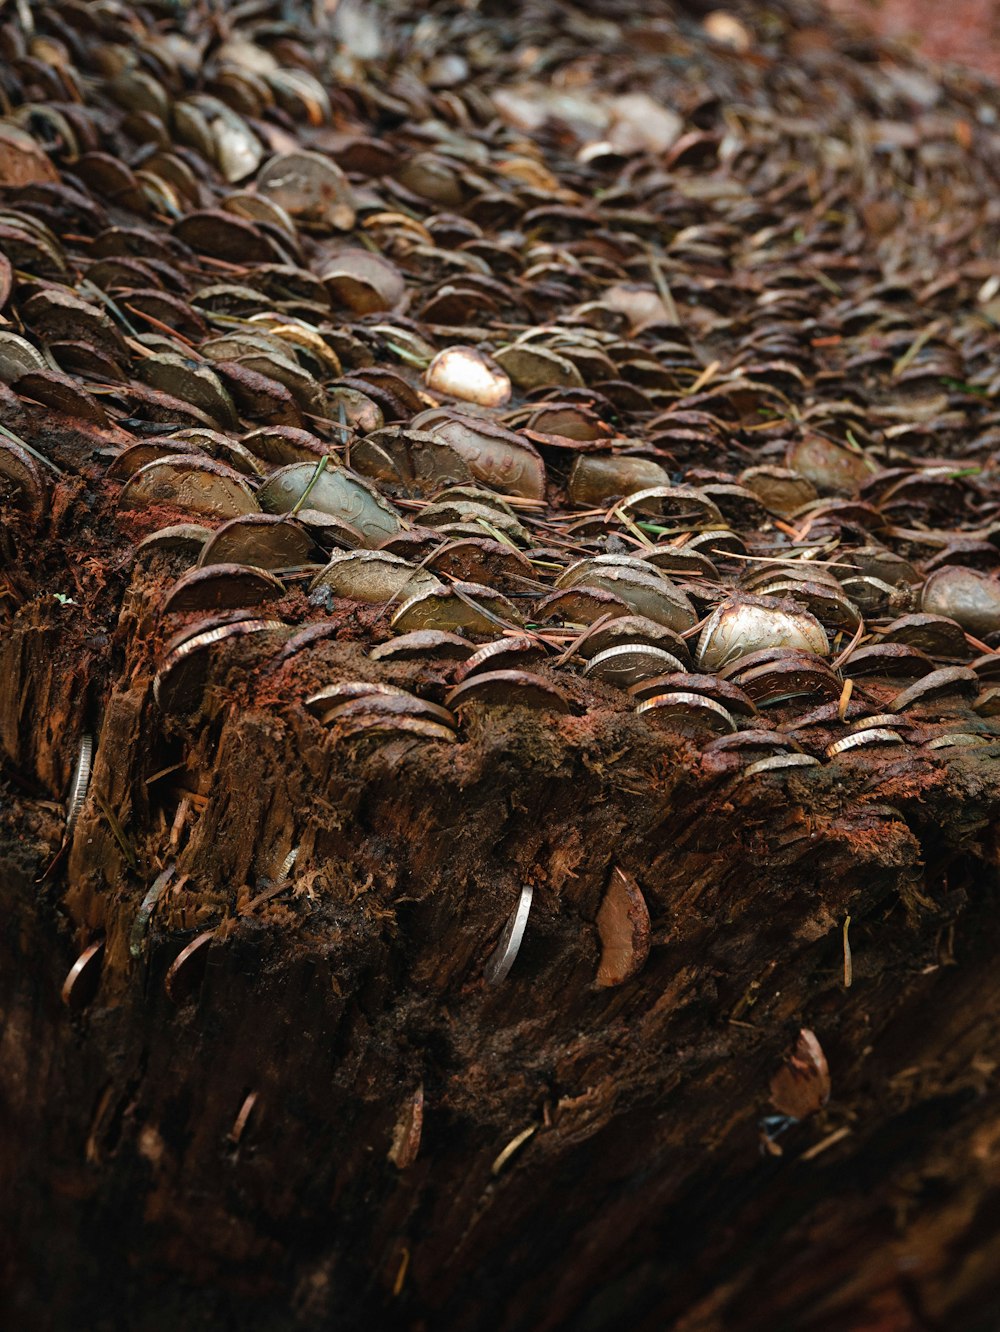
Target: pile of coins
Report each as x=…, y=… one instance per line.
x=672, y=398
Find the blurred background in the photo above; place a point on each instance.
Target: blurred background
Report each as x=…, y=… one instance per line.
x=964, y=31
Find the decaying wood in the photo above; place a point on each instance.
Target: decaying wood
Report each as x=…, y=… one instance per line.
x=611, y=340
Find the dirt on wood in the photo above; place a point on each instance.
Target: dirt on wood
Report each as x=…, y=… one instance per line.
x=508, y=840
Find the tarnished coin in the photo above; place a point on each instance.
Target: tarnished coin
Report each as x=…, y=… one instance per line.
x=496, y=457
x=221, y=587
x=21, y=474
x=751, y=742
x=967, y=596
x=186, y=972
x=333, y=491
x=377, y=726
x=177, y=539
x=373, y=576
x=633, y=630
x=511, y=653
x=322, y=700
x=960, y=740
x=640, y=586
x=739, y=627
x=365, y=283
x=424, y=645
x=951, y=686
x=596, y=479
x=507, y=689
x=887, y=661
x=137, y=455
x=310, y=188
x=462, y=606
x=263, y=540
x=383, y=706
x=191, y=484
x=731, y=696
x=190, y=381
x=83, y=978
x=147, y=906
x=180, y=681
x=624, y=929
x=581, y=605
x=937, y=635
x=796, y=677
x=676, y=508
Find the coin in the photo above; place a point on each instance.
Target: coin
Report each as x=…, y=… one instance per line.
x=500, y=961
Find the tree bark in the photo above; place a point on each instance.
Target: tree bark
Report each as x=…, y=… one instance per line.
x=263, y=1064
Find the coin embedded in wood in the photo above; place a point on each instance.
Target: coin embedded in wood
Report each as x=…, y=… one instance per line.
x=322, y=700
x=83, y=978
x=507, y=688
x=424, y=645
x=947, y=688
x=624, y=929
x=596, y=479
x=187, y=539
x=887, y=661
x=180, y=680
x=310, y=187
x=777, y=681
x=500, y=961
x=262, y=540
x=221, y=587
x=686, y=714
x=496, y=457
x=937, y=635
x=515, y=651
x=191, y=484
x=864, y=739
x=382, y=707
x=633, y=629
x=967, y=596
x=628, y=663
x=80, y=782
x=332, y=491
x=740, y=627
x=802, y=1085
x=780, y=763
x=407, y=1132
x=731, y=696
x=186, y=972
x=467, y=607
x=464, y=372
x=22, y=475
x=373, y=576
x=386, y=726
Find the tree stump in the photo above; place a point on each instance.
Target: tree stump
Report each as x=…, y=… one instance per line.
x=513, y=845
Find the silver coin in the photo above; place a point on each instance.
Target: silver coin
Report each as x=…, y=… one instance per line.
x=148, y=905
x=874, y=735
x=287, y=865
x=502, y=958
x=81, y=780
x=777, y=762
